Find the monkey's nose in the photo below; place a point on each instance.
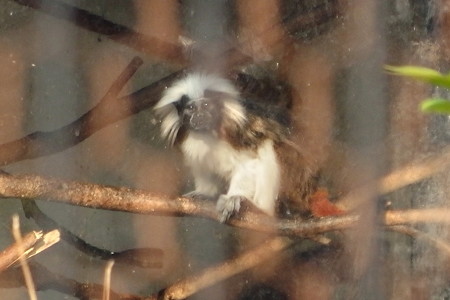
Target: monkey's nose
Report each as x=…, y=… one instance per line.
x=200, y=121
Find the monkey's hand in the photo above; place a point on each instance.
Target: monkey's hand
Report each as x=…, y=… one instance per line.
x=228, y=205
x=197, y=196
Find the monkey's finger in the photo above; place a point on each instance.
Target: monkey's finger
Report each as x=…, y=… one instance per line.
x=227, y=206
x=197, y=196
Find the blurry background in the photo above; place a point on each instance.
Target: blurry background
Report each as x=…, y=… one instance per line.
x=353, y=120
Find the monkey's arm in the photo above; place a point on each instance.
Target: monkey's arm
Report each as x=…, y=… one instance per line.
x=206, y=185
x=242, y=186
x=257, y=180
x=267, y=178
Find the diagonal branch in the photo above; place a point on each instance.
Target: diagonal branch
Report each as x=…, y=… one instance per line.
x=155, y=47
x=143, y=43
x=416, y=171
x=104, y=113
x=408, y=174
x=110, y=109
x=142, y=257
x=249, y=259
x=440, y=244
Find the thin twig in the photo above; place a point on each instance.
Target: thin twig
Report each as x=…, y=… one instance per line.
x=107, y=280
x=33, y=243
x=47, y=280
x=210, y=276
x=444, y=247
x=416, y=216
x=415, y=171
x=23, y=262
x=411, y=173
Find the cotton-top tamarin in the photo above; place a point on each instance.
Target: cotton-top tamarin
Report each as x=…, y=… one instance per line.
x=236, y=149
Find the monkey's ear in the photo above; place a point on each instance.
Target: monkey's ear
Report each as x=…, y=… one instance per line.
x=181, y=103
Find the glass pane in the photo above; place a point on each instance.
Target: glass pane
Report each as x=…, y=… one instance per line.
x=224, y=149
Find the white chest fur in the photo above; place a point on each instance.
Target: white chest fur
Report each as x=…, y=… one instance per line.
x=214, y=155
x=252, y=174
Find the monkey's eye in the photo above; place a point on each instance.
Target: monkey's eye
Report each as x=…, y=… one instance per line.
x=190, y=107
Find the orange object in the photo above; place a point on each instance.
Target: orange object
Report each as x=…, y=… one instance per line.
x=321, y=206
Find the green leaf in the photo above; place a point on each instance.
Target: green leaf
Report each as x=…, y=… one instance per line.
x=436, y=105
x=421, y=73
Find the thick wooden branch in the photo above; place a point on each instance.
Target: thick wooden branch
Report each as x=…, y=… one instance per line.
x=142, y=202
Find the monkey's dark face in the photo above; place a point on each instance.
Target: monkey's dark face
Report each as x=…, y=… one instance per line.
x=203, y=103
x=199, y=115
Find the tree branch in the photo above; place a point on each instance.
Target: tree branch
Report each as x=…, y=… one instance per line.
x=39, y=144
x=416, y=171
x=29, y=282
x=213, y=275
x=152, y=46
x=416, y=216
x=142, y=202
x=11, y=254
x=47, y=280
x=32, y=243
x=155, y=47
x=440, y=244
x=408, y=174
x=142, y=257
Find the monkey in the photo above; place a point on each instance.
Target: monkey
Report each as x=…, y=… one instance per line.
x=236, y=149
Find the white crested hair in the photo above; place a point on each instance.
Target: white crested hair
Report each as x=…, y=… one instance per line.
x=194, y=86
